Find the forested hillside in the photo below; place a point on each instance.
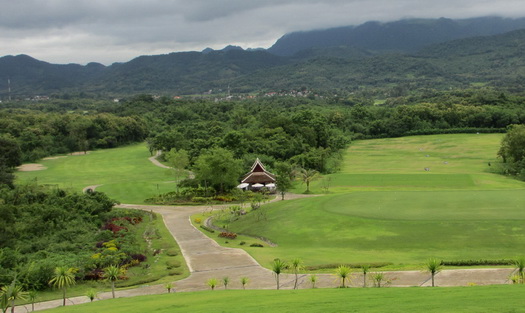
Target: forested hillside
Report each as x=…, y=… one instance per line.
x=328, y=67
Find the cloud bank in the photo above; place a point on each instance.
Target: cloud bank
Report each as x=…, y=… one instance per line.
x=81, y=31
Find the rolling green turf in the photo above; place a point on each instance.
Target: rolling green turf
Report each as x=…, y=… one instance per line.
x=505, y=298
x=124, y=173
x=383, y=207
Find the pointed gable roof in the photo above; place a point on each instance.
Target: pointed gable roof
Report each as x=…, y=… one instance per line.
x=258, y=174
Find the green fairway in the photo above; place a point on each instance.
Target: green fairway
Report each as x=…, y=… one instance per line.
x=125, y=173
x=384, y=207
x=506, y=298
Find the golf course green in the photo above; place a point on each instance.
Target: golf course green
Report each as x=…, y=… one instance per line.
x=383, y=206
x=504, y=298
x=124, y=173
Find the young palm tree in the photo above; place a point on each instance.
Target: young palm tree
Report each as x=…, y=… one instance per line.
x=112, y=274
x=364, y=269
x=31, y=295
x=11, y=294
x=297, y=265
x=168, y=287
x=378, y=279
x=225, y=282
x=62, y=279
x=343, y=272
x=313, y=280
x=91, y=294
x=277, y=267
x=244, y=281
x=212, y=282
x=520, y=266
x=307, y=176
x=433, y=266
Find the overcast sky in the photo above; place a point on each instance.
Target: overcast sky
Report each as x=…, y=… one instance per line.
x=107, y=31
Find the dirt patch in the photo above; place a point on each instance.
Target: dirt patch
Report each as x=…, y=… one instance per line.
x=31, y=167
x=55, y=157
x=80, y=153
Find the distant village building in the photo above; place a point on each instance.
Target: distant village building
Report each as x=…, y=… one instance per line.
x=257, y=178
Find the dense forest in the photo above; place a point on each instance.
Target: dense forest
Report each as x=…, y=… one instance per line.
x=306, y=131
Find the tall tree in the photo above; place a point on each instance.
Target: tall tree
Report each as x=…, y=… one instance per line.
x=512, y=149
x=179, y=160
x=62, y=279
x=219, y=168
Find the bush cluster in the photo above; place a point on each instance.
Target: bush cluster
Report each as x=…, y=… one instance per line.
x=228, y=235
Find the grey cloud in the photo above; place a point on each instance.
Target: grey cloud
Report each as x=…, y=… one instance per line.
x=116, y=30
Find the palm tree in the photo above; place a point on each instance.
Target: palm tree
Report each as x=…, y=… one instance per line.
x=112, y=274
x=91, y=294
x=225, y=282
x=32, y=294
x=364, y=269
x=168, y=287
x=307, y=176
x=313, y=280
x=343, y=272
x=297, y=265
x=378, y=278
x=17, y=294
x=277, y=267
x=9, y=294
x=212, y=282
x=62, y=279
x=520, y=266
x=244, y=281
x=433, y=266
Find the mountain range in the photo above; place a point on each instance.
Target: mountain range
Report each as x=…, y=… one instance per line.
x=426, y=53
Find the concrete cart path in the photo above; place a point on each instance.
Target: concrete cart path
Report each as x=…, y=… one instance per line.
x=206, y=259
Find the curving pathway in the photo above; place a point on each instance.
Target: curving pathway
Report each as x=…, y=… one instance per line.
x=206, y=259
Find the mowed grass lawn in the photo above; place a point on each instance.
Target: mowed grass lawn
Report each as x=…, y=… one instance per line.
x=504, y=298
x=384, y=207
x=125, y=173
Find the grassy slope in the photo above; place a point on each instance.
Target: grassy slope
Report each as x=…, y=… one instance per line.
x=383, y=206
x=125, y=173
x=458, y=299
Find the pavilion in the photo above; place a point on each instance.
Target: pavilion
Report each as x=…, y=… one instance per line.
x=257, y=178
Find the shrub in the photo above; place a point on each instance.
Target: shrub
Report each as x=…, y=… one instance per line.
x=350, y=265
x=172, y=252
x=477, y=262
x=199, y=199
x=206, y=228
x=242, y=243
x=172, y=264
x=198, y=220
x=139, y=257
x=174, y=272
x=223, y=198
x=258, y=245
x=228, y=235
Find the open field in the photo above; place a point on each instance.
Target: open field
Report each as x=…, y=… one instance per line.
x=383, y=207
x=124, y=173
x=505, y=298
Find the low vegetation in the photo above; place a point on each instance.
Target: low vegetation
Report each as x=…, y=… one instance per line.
x=503, y=298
